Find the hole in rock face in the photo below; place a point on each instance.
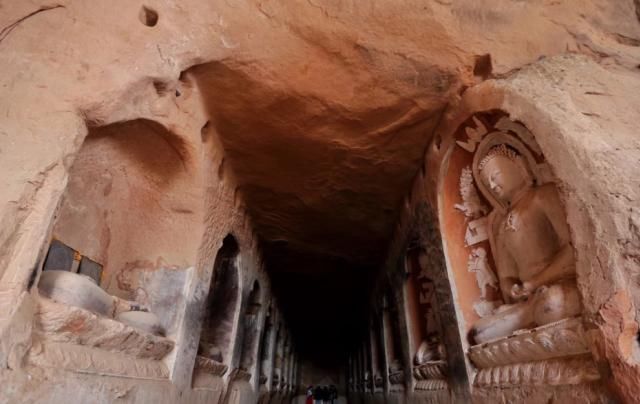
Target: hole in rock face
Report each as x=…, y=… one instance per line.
x=204, y=132
x=160, y=87
x=221, y=170
x=483, y=66
x=235, y=196
x=148, y=16
x=437, y=141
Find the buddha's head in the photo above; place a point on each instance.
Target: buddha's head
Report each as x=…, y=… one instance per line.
x=503, y=172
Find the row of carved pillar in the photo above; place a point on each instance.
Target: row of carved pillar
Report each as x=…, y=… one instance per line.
x=383, y=363
x=280, y=370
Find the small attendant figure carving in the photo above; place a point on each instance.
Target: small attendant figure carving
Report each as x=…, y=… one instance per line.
x=479, y=264
x=471, y=206
x=529, y=239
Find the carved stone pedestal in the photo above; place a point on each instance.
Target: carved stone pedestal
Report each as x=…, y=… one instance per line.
x=554, y=354
x=396, y=381
x=431, y=375
x=75, y=339
x=210, y=366
x=207, y=375
x=240, y=375
x=262, y=380
x=82, y=359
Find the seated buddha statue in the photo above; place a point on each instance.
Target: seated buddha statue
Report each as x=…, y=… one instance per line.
x=531, y=247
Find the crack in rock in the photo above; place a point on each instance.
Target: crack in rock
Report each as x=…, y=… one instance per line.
x=7, y=30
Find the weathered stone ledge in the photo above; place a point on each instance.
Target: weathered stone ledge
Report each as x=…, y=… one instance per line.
x=84, y=359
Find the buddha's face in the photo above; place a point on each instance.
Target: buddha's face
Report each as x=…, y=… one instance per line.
x=504, y=178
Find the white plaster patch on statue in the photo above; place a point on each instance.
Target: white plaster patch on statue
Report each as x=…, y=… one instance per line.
x=512, y=223
x=227, y=43
x=476, y=232
x=484, y=308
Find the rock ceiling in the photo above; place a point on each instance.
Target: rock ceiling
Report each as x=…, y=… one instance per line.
x=326, y=108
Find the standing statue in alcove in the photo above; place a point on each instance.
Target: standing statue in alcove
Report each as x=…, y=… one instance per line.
x=529, y=239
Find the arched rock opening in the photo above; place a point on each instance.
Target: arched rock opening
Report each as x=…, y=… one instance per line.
x=223, y=305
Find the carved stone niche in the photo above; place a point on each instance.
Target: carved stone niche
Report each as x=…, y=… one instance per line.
x=83, y=323
x=396, y=369
x=275, y=383
x=217, y=325
x=526, y=316
x=366, y=382
x=378, y=381
x=429, y=364
x=264, y=366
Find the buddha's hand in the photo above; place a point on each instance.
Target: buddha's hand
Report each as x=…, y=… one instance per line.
x=520, y=291
x=135, y=306
x=122, y=305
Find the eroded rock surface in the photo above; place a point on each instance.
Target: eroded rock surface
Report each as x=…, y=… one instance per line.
x=323, y=111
